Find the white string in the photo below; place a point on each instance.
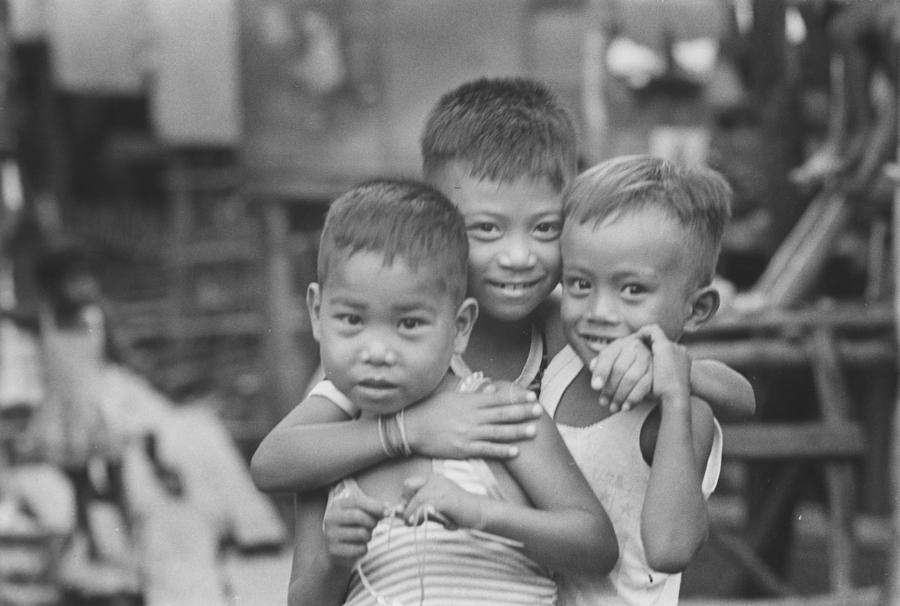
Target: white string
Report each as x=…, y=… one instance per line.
x=421, y=517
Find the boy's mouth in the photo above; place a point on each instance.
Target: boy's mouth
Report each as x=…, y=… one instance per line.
x=375, y=385
x=514, y=287
x=596, y=343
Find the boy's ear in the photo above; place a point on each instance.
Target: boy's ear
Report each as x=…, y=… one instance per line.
x=704, y=305
x=465, y=320
x=314, y=305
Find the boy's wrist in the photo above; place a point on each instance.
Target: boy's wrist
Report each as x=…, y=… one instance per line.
x=677, y=399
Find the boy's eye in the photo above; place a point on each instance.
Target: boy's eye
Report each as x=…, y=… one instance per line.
x=411, y=323
x=548, y=230
x=483, y=229
x=633, y=290
x=349, y=319
x=577, y=285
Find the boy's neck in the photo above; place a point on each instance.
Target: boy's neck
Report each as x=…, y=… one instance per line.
x=490, y=332
x=499, y=349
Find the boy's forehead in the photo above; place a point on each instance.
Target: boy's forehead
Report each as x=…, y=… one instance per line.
x=639, y=218
x=360, y=270
x=649, y=235
x=465, y=190
x=455, y=174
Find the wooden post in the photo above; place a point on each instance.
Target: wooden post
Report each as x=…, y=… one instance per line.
x=891, y=593
x=288, y=367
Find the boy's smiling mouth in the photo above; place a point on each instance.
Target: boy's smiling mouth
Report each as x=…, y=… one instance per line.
x=596, y=343
x=513, y=287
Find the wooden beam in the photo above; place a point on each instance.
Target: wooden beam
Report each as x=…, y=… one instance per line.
x=779, y=352
x=761, y=441
x=892, y=585
x=867, y=596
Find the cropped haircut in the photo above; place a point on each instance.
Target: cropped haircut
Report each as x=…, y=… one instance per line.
x=398, y=218
x=697, y=197
x=502, y=129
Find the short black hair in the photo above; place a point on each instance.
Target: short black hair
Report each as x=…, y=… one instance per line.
x=503, y=129
x=696, y=196
x=399, y=218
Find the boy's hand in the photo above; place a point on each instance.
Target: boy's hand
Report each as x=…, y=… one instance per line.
x=347, y=524
x=473, y=425
x=443, y=500
x=671, y=366
x=623, y=373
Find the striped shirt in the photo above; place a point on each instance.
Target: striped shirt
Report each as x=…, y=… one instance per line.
x=434, y=566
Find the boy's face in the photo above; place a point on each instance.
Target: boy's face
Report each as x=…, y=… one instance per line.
x=386, y=333
x=514, y=229
x=631, y=271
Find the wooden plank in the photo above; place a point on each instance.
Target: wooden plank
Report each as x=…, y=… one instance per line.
x=777, y=352
x=892, y=584
x=793, y=243
x=844, y=317
x=834, y=402
x=773, y=508
x=751, y=562
x=868, y=596
x=759, y=441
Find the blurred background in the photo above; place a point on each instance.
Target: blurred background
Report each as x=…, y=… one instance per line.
x=178, y=158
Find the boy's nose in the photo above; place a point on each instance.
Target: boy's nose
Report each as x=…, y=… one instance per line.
x=377, y=353
x=518, y=254
x=603, y=308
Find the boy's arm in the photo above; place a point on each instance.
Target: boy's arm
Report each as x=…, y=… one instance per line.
x=316, y=578
x=727, y=391
x=311, y=447
x=566, y=529
x=674, y=517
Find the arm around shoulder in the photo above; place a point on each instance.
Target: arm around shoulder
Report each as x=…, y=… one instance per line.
x=312, y=447
x=727, y=391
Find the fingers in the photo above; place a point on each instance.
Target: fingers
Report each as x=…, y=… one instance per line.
x=411, y=486
x=490, y=450
x=641, y=390
x=500, y=393
x=653, y=335
x=348, y=524
x=611, y=366
x=636, y=382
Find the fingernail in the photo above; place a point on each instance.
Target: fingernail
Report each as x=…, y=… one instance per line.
x=513, y=451
x=592, y=363
x=530, y=431
x=536, y=410
x=604, y=401
x=531, y=396
x=596, y=383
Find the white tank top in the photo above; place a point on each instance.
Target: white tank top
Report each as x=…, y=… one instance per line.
x=609, y=455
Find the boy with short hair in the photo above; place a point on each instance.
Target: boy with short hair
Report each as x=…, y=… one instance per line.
x=502, y=150
x=389, y=313
x=641, y=239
